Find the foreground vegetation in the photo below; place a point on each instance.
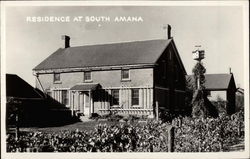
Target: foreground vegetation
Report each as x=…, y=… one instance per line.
x=209, y=134
x=191, y=135
x=105, y=138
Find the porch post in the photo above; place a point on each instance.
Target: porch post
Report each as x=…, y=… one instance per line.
x=90, y=101
x=81, y=102
x=157, y=110
x=72, y=107
x=69, y=98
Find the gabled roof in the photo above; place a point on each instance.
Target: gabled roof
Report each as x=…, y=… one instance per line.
x=126, y=53
x=240, y=90
x=18, y=88
x=215, y=81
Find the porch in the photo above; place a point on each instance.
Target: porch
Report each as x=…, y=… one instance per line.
x=86, y=99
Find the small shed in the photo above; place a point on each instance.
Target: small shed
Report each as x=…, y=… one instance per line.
x=220, y=87
x=31, y=105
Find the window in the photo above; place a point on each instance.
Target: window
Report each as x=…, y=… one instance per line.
x=170, y=55
x=49, y=93
x=57, y=77
x=87, y=76
x=164, y=69
x=115, y=97
x=125, y=74
x=135, y=96
x=65, y=97
x=208, y=93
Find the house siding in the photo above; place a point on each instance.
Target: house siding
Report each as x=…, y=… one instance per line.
x=108, y=79
x=215, y=94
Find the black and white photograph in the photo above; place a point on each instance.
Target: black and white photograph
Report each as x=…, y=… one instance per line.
x=126, y=79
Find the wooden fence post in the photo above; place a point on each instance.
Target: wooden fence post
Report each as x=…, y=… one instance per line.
x=17, y=127
x=171, y=139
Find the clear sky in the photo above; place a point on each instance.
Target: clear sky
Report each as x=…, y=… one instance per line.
x=217, y=29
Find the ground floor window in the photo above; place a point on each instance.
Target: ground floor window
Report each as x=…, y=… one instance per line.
x=49, y=93
x=135, y=96
x=115, y=97
x=65, y=97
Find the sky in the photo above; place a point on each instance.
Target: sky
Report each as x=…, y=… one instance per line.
x=218, y=29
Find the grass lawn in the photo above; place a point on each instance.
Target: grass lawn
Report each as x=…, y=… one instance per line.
x=88, y=126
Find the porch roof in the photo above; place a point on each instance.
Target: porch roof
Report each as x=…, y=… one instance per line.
x=85, y=87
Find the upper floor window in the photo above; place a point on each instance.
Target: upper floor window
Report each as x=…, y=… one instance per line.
x=170, y=55
x=115, y=97
x=125, y=74
x=135, y=96
x=87, y=76
x=57, y=77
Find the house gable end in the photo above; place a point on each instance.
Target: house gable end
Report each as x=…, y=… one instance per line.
x=169, y=70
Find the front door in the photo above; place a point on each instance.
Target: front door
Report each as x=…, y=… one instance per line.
x=86, y=104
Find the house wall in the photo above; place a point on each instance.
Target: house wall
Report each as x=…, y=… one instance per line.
x=169, y=82
x=109, y=78
x=141, y=78
x=215, y=94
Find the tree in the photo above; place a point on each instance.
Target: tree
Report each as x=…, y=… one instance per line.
x=199, y=108
x=239, y=102
x=199, y=70
x=190, y=88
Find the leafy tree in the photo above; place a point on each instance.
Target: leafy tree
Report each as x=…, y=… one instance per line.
x=239, y=102
x=190, y=88
x=199, y=70
x=199, y=108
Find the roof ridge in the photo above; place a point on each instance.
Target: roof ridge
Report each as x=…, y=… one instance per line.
x=111, y=43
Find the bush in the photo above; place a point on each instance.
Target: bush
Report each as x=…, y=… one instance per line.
x=209, y=134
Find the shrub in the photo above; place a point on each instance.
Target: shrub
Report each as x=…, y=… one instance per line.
x=209, y=134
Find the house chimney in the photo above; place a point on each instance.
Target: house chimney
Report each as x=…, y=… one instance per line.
x=66, y=41
x=230, y=71
x=169, y=32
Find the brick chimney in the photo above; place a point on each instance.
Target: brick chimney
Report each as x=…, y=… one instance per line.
x=169, y=32
x=66, y=41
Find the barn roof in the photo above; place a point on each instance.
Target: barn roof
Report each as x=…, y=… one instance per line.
x=126, y=53
x=216, y=81
x=18, y=88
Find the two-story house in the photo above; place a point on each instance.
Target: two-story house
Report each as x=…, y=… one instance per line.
x=129, y=77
